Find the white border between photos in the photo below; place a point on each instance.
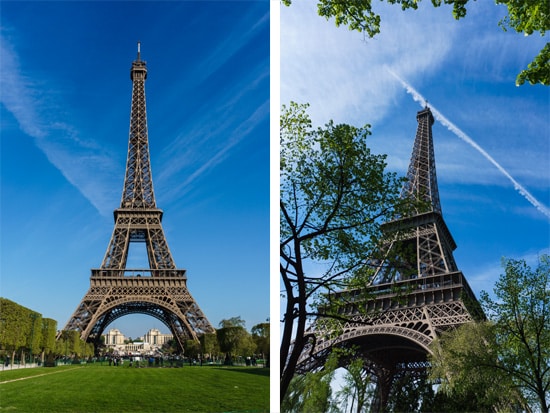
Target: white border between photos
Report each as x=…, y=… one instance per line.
x=274, y=286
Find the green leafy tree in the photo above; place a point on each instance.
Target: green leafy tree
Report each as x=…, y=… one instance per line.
x=521, y=316
x=463, y=360
x=49, y=330
x=260, y=335
x=334, y=194
x=232, y=338
x=233, y=322
x=73, y=343
x=11, y=337
x=192, y=348
x=528, y=17
x=411, y=392
x=33, y=327
x=89, y=349
x=524, y=16
x=357, y=387
x=20, y=329
x=312, y=391
x=503, y=363
x=246, y=345
x=62, y=347
x=171, y=346
x=209, y=344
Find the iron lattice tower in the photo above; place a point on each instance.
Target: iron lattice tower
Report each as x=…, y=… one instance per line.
x=160, y=290
x=416, y=293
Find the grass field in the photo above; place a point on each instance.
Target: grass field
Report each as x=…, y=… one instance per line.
x=104, y=389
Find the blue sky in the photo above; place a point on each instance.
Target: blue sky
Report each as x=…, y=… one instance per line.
x=66, y=93
x=466, y=70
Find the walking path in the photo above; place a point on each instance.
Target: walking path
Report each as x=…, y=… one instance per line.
x=18, y=366
x=40, y=375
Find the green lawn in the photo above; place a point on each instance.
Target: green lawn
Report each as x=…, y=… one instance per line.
x=105, y=389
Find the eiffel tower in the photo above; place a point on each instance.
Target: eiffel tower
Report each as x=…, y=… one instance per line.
x=416, y=293
x=159, y=291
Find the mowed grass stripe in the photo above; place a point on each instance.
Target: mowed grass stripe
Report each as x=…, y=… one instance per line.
x=29, y=374
x=122, y=389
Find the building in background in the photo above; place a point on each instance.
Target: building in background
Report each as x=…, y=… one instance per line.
x=150, y=343
x=155, y=338
x=114, y=338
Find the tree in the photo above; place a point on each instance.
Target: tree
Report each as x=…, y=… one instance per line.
x=75, y=343
x=209, y=344
x=192, y=348
x=505, y=362
x=529, y=17
x=260, y=335
x=411, y=392
x=334, y=194
x=49, y=330
x=171, y=346
x=232, y=338
x=521, y=317
x=20, y=329
x=357, y=388
x=463, y=360
x=524, y=16
x=34, y=333
x=246, y=345
x=312, y=391
x=233, y=322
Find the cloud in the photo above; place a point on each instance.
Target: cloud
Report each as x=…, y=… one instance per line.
x=82, y=162
x=225, y=120
x=17, y=94
x=232, y=43
x=469, y=66
x=341, y=74
x=238, y=134
x=224, y=117
x=458, y=132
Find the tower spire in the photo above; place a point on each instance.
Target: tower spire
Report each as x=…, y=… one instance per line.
x=421, y=176
x=138, y=182
x=424, y=230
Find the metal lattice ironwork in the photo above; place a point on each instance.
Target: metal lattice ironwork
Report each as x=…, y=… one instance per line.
x=421, y=176
x=159, y=290
x=417, y=291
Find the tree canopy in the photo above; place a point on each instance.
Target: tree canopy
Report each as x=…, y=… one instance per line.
x=260, y=335
x=233, y=339
x=524, y=16
x=25, y=331
x=520, y=312
x=460, y=359
x=506, y=361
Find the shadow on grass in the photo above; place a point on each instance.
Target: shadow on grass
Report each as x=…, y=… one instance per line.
x=255, y=371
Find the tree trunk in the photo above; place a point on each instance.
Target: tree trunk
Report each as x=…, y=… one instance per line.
x=300, y=300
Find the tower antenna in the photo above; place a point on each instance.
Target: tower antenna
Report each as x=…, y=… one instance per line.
x=139, y=50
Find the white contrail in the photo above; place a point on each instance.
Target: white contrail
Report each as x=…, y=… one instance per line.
x=453, y=128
